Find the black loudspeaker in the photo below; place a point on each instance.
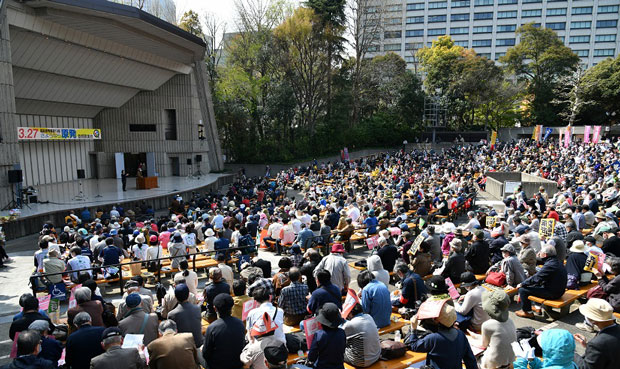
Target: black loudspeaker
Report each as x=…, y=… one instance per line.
x=81, y=173
x=33, y=199
x=15, y=176
x=189, y=161
x=198, y=158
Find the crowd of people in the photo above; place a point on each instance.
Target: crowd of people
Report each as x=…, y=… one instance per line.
x=417, y=211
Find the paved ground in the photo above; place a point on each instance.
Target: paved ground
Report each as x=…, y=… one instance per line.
x=13, y=282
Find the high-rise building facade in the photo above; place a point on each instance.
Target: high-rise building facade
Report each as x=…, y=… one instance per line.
x=588, y=27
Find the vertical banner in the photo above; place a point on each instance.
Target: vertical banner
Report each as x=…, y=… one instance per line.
x=596, y=134
x=535, y=132
x=547, y=133
x=567, y=136
x=586, y=134
x=493, y=138
x=346, y=154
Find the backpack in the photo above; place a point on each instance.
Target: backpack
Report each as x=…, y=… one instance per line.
x=392, y=350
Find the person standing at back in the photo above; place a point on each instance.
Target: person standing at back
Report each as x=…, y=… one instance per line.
x=337, y=266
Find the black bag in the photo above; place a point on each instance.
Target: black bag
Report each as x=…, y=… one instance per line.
x=160, y=292
x=529, y=334
x=293, y=343
x=392, y=350
x=154, y=266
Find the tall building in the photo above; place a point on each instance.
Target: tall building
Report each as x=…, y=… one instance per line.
x=163, y=9
x=588, y=27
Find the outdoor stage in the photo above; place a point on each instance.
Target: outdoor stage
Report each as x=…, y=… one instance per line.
x=55, y=200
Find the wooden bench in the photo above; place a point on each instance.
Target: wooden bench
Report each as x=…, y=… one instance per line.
x=393, y=327
x=563, y=303
x=361, y=268
x=399, y=363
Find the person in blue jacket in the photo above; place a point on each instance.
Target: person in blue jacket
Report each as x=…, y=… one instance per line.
x=446, y=347
x=558, y=351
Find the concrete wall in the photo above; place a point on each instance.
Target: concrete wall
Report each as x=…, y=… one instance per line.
x=530, y=184
x=495, y=187
x=181, y=94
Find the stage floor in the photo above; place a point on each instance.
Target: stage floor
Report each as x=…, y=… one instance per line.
x=101, y=192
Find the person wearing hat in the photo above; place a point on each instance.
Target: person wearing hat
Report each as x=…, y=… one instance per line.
x=209, y=242
x=477, y=255
x=454, y=266
x=549, y=282
x=276, y=356
x=445, y=346
x=225, y=338
x=498, y=332
x=138, y=250
x=83, y=344
x=262, y=333
x=218, y=286
x=527, y=255
x=610, y=289
x=510, y=266
x=495, y=246
x=177, y=249
x=138, y=321
x=146, y=299
x=575, y=262
x=51, y=349
x=329, y=342
x=363, y=347
x=172, y=349
x=28, y=349
x=470, y=314
x=337, y=266
x=115, y=356
x=603, y=351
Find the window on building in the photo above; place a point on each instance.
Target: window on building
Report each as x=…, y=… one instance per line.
x=393, y=8
x=535, y=25
x=438, y=5
x=580, y=25
x=142, y=128
x=170, y=121
x=459, y=4
x=505, y=42
x=506, y=28
x=556, y=12
x=462, y=43
x=480, y=43
x=416, y=6
x=507, y=2
x=391, y=47
x=579, y=39
x=393, y=21
x=459, y=17
x=414, y=33
x=499, y=55
x=436, y=18
x=392, y=34
x=459, y=30
x=556, y=25
x=531, y=1
x=582, y=53
x=605, y=38
x=531, y=13
x=561, y=38
x=483, y=29
x=485, y=15
x=510, y=14
x=485, y=55
x=483, y=2
x=409, y=59
x=373, y=48
x=413, y=20
x=604, y=52
x=608, y=9
x=436, y=31
x=606, y=23
x=414, y=46
x=582, y=10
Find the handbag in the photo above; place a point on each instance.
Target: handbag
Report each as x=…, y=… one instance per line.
x=496, y=279
x=392, y=350
x=596, y=292
x=153, y=266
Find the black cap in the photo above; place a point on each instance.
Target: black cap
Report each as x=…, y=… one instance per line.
x=111, y=332
x=276, y=355
x=329, y=315
x=436, y=285
x=468, y=279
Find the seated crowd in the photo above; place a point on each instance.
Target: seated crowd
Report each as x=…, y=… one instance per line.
x=404, y=205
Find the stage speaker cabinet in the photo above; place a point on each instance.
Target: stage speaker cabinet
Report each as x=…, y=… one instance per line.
x=189, y=161
x=33, y=199
x=198, y=158
x=81, y=173
x=15, y=176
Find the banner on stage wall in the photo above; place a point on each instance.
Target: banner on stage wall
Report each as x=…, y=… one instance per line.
x=586, y=134
x=567, y=136
x=537, y=133
x=596, y=134
x=547, y=133
x=561, y=136
x=42, y=133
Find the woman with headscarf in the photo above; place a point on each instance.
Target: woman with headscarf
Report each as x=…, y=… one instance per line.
x=375, y=266
x=498, y=332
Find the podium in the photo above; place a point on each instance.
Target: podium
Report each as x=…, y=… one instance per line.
x=145, y=183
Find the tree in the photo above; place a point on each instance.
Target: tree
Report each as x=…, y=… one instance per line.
x=601, y=84
x=540, y=59
x=570, y=96
x=214, y=32
x=190, y=22
x=304, y=62
x=365, y=27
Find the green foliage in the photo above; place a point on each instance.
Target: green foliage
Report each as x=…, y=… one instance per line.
x=190, y=22
x=540, y=59
x=601, y=86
